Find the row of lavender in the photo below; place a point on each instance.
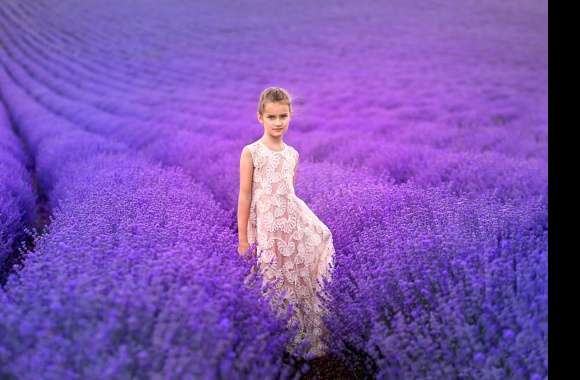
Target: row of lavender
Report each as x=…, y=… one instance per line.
x=17, y=199
x=462, y=254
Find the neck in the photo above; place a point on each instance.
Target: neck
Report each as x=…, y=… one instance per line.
x=273, y=141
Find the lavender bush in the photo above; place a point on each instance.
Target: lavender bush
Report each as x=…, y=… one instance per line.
x=446, y=278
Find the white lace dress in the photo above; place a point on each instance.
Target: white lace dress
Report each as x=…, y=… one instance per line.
x=294, y=251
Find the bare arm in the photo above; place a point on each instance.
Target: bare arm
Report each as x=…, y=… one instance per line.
x=245, y=197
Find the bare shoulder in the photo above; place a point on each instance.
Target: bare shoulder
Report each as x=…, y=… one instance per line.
x=249, y=147
x=251, y=155
x=247, y=152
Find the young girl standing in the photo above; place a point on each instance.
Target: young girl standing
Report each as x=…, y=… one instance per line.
x=294, y=251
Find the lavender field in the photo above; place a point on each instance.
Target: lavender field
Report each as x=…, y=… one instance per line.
x=422, y=130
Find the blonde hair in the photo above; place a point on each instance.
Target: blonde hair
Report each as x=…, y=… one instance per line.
x=274, y=94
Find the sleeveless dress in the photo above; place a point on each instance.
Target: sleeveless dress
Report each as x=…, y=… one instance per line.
x=295, y=251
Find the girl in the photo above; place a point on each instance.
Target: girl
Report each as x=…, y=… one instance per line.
x=295, y=251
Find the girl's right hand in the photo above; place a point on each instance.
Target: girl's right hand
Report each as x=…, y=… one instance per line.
x=242, y=248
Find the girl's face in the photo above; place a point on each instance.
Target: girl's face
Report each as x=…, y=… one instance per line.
x=276, y=118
